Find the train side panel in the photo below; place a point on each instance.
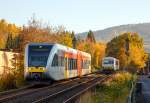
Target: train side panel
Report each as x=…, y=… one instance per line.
x=72, y=64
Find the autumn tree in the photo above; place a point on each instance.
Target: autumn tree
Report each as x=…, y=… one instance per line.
x=90, y=37
x=97, y=50
x=38, y=32
x=7, y=30
x=136, y=56
x=99, y=53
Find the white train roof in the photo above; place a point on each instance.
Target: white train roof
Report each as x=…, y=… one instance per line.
x=63, y=47
x=109, y=58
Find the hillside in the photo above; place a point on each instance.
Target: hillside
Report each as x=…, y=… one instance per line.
x=107, y=34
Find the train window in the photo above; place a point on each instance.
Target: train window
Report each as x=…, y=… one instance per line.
x=82, y=64
x=76, y=64
x=106, y=61
x=89, y=63
x=117, y=63
x=86, y=64
x=55, y=60
x=62, y=61
x=38, y=55
x=68, y=63
x=65, y=63
x=72, y=65
x=59, y=61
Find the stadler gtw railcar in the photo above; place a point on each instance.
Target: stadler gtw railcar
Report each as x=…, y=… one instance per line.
x=54, y=62
x=110, y=63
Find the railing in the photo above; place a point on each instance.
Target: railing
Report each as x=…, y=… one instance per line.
x=135, y=91
x=131, y=97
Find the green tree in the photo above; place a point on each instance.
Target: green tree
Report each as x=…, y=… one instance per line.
x=72, y=34
x=9, y=43
x=12, y=43
x=90, y=37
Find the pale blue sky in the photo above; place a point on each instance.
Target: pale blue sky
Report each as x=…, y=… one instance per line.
x=77, y=15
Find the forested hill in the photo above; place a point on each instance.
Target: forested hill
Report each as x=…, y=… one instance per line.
x=143, y=29
x=107, y=34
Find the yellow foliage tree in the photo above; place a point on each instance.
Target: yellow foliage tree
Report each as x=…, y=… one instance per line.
x=97, y=51
x=131, y=59
x=5, y=30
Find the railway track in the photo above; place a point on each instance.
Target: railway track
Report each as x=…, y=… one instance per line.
x=31, y=95
x=6, y=96
x=66, y=95
x=15, y=90
x=74, y=96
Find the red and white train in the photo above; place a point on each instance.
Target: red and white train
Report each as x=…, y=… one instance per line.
x=54, y=62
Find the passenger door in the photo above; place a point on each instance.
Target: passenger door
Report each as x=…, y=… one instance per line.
x=79, y=69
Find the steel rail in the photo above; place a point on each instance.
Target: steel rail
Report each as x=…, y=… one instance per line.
x=64, y=90
x=13, y=95
x=15, y=90
x=84, y=90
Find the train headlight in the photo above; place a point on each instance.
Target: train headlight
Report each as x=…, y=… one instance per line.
x=42, y=68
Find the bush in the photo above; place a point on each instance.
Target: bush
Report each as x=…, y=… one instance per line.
x=7, y=81
x=20, y=81
x=115, y=90
x=11, y=81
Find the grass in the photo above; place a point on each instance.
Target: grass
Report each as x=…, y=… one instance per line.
x=115, y=90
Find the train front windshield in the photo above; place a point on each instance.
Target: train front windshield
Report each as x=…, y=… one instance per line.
x=107, y=61
x=38, y=55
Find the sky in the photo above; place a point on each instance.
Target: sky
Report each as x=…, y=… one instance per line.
x=77, y=15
